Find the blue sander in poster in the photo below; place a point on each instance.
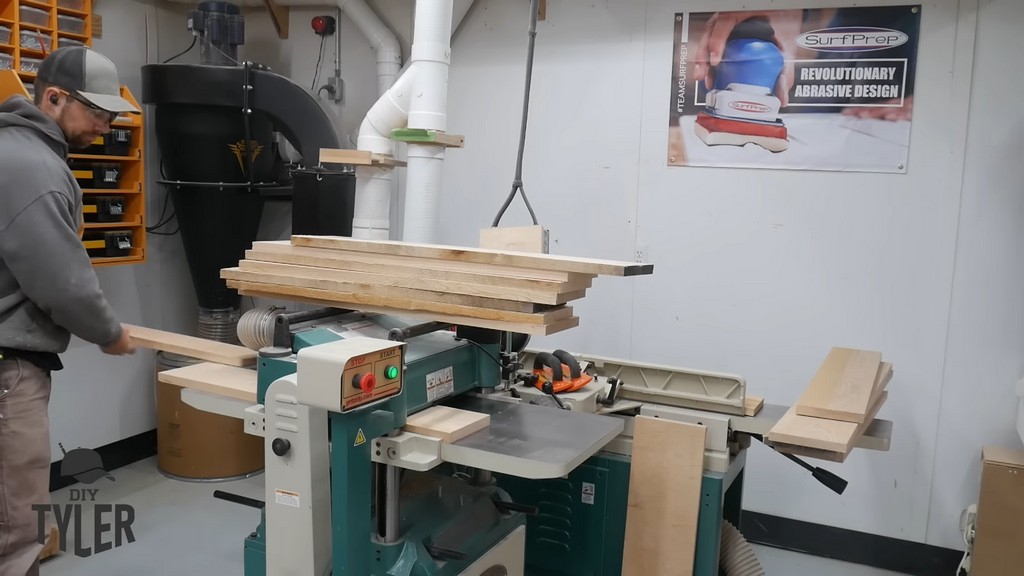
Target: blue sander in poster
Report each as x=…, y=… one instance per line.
x=742, y=107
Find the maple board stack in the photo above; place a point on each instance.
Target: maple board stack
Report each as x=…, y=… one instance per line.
x=837, y=407
x=511, y=291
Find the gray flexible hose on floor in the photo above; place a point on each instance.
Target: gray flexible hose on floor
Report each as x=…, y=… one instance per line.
x=737, y=556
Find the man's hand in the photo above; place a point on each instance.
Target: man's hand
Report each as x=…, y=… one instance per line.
x=717, y=30
x=121, y=346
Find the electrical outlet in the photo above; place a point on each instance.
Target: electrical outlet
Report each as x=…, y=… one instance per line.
x=641, y=253
x=336, y=89
x=968, y=521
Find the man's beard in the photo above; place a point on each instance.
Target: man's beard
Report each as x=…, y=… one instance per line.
x=78, y=141
x=81, y=142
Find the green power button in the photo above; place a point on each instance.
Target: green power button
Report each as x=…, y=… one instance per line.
x=391, y=372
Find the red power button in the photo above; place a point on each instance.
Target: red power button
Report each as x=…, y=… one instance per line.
x=365, y=382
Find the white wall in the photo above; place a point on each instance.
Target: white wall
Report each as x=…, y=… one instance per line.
x=985, y=349
x=757, y=272
x=760, y=272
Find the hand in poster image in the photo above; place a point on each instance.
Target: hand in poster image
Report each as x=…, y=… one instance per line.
x=904, y=112
x=719, y=27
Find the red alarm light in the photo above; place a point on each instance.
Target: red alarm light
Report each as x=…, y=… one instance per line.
x=323, y=25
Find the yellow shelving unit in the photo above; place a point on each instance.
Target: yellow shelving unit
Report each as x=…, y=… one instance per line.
x=32, y=29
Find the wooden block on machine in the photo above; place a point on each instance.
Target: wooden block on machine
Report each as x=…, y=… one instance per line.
x=531, y=299
x=285, y=253
x=448, y=424
x=822, y=433
x=323, y=298
x=843, y=386
x=752, y=405
x=515, y=239
x=421, y=136
x=478, y=255
x=664, y=497
x=230, y=381
x=201, y=348
x=357, y=158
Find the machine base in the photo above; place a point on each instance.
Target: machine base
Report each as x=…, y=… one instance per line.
x=438, y=511
x=716, y=131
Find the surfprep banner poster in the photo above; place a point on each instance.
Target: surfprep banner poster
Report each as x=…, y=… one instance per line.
x=811, y=89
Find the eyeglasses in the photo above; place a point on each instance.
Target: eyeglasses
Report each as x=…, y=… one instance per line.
x=98, y=113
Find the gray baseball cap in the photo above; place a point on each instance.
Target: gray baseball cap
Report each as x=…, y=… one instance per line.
x=89, y=74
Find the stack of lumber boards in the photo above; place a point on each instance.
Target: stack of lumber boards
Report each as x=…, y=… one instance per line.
x=502, y=290
x=837, y=407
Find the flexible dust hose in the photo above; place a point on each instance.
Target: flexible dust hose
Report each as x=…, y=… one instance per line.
x=737, y=556
x=256, y=327
x=517, y=180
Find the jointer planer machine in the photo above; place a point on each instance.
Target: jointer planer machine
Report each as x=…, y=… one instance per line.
x=541, y=490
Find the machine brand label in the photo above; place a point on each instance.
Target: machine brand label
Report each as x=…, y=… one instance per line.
x=747, y=106
x=241, y=149
x=589, y=490
x=440, y=384
x=287, y=498
x=853, y=39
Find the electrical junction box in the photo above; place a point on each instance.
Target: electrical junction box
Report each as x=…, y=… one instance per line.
x=348, y=374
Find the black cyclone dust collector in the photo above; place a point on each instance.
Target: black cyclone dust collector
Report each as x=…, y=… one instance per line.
x=215, y=125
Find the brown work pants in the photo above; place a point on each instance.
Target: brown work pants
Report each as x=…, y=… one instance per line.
x=24, y=463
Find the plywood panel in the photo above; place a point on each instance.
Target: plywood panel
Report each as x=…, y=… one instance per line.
x=447, y=423
x=191, y=346
x=843, y=386
x=664, y=497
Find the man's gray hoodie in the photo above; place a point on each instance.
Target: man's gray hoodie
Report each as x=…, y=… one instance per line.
x=48, y=287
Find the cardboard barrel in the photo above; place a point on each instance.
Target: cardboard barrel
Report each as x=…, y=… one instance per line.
x=196, y=445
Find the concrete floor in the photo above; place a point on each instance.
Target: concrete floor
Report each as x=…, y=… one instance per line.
x=180, y=528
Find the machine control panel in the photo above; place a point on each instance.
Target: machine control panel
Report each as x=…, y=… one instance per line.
x=370, y=377
x=344, y=375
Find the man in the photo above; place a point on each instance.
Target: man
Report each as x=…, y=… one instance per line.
x=48, y=288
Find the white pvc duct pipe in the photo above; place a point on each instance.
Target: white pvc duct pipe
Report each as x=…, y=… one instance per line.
x=372, y=215
x=431, y=57
x=418, y=100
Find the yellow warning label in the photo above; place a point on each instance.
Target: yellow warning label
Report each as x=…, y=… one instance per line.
x=360, y=438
